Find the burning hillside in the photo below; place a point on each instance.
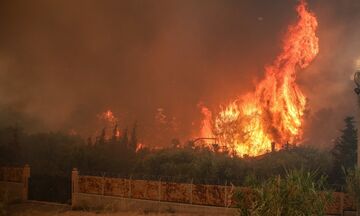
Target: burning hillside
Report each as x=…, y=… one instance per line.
x=274, y=112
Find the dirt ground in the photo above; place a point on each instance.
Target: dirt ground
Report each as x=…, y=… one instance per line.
x=48, y=209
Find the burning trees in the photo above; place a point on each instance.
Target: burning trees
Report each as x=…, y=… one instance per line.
x=274, y=111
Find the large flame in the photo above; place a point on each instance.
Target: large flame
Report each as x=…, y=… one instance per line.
x=274, y=112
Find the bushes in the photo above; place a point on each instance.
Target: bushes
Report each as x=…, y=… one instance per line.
x=353, y=184
x=58, y=153
x=298, y=193
x=202, y=164
x=199, y=165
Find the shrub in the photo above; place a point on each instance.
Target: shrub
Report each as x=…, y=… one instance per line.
x=298, y=193
x=352, y=177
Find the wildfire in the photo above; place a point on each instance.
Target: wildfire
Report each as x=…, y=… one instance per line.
x=108, y=116
x=139, y=147
x=111, y=122
x=206, y=123
x=274, y=111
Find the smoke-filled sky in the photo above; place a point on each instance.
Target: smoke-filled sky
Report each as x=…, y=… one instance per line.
x=64, y=62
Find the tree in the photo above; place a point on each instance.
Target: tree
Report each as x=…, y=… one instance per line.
x=124, y=141
x=345, y=150
x=115, y=134
x=102, y=137
x=175, y=143
x=133, y=139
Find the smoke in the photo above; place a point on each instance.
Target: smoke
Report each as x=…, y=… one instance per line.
x=64, y=62
x=328, y=82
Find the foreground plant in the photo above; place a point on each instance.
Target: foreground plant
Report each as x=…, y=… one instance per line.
x=353, y=185
x=299, y=193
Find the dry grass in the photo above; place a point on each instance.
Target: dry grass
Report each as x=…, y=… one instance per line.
x=38, y=209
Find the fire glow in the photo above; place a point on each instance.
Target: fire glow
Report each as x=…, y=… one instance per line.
x=274, y=112
x=110, y=121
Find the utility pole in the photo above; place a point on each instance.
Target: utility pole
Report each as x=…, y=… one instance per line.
x=357, y=91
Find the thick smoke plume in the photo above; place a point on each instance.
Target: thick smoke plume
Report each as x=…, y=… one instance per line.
x=64, y=62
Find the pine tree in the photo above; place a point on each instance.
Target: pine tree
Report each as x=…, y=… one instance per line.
x=345, y=150
x=115, y=134
x=133, y=139
x=102, y=137
x=124, y=142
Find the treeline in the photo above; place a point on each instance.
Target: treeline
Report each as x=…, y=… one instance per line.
x=57, y=153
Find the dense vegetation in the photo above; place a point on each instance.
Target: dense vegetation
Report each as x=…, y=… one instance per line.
x=297, y=193
x=57, y=153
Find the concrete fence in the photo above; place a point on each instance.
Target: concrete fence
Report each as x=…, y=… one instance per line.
x=14, y=183
x=96, y=190
x=212, y=195
x=130, y=194
x=143, y=195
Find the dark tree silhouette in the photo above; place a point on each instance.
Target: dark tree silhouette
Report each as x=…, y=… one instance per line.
x=133, y=139
x=114, y=135
x=102, y=137
x=345, y=150
x=124, y=141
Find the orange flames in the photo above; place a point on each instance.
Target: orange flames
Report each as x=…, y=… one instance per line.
x=111, y=129
x=206, y=123
x=274, y=111
x=108, y=116
x=110, y=122
x=139, y=147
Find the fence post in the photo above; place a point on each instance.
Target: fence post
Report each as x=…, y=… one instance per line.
x=225, y=197
x=342, y=203
x=207, y=194
x=159, y=189
x=74, y=186
x=25, y=180
x=129, y=195
x=191, y=191
x=103, y=184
